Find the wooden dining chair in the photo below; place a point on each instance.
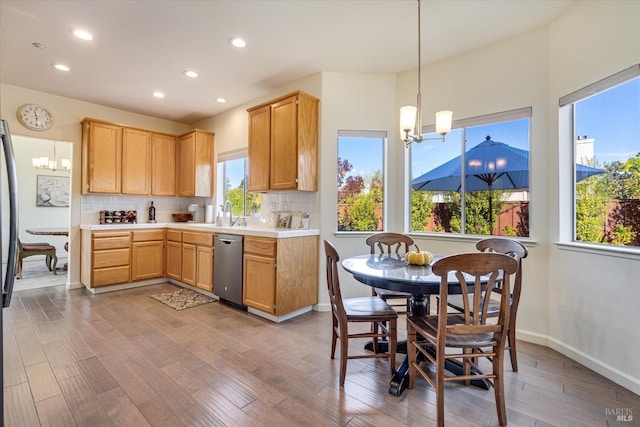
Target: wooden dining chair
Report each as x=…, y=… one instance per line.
x=519, y=251
x=458, y=337
x=388, y=243
x=373, y=310
x=30, y=249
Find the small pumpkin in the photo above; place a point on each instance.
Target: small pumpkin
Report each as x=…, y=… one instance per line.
x=419, y=257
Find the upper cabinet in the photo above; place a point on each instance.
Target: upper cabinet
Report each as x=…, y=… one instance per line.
x=195, y=164
x=283, y=144
x=136, y=161
x=119, y=159
x=163, y=165
x=101, y=157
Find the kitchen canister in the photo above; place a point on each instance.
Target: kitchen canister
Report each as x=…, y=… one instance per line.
x=208, y=214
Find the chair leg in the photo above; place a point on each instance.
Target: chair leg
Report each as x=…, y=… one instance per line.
x=55, y=262
x=512, y=349
x=19, y=268
x=47, y=261
x=411, y=353
x=498, y=386
x=344, y=352
x=393, y=344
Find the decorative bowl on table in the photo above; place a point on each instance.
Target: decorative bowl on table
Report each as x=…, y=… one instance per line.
x=182, y=217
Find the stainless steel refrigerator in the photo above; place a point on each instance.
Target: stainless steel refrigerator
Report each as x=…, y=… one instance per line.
x=7, y=276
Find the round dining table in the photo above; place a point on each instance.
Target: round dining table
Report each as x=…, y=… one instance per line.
x=391, y=271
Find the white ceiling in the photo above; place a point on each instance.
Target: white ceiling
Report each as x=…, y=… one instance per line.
x=141, y=46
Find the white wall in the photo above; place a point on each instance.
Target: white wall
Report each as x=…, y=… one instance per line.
x=593, y=297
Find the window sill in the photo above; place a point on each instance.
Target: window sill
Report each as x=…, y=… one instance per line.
x=606, y=250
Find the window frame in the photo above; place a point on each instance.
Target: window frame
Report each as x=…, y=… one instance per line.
x=221, y=190
x=462, y=125
x=384, y=136
x=567, y=139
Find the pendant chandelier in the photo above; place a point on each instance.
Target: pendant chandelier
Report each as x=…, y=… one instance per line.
x=411, y=117
x=52, y=165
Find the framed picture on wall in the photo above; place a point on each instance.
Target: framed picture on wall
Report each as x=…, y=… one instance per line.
x=52, y=191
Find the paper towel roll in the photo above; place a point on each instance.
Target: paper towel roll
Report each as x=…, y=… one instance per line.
x=208, y=214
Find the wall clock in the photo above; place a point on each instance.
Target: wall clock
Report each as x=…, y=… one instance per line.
x=35, y=117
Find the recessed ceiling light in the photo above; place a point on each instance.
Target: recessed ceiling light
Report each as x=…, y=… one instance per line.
x=82, y=34
x=221, y=100
x=158, y=94
x=190, y=73
x=237, y=42
x=61, y=67
x=38, y=45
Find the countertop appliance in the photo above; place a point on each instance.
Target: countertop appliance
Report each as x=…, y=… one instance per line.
x=227, y=268
x=7, y=276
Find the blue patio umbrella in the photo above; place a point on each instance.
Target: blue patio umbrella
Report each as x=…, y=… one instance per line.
x=490, y=165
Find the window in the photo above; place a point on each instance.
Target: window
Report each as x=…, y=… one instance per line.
x=606, y=148
x=361, y=180
x=492, y=151
x=231, y=184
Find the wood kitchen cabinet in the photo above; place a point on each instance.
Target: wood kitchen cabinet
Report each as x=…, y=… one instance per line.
x=147, y=254
x=106, y=258
x=118, y=159
x=174, y=254
x=283, y=139
x=136, y=161
x=195, y=164
x=280, y=275
x=197, y=259
x=163, y=164
x=101, y=157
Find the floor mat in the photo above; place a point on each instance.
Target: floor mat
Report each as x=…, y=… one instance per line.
x=182, y=299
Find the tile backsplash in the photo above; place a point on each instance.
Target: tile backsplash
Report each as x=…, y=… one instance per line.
x=293, y=201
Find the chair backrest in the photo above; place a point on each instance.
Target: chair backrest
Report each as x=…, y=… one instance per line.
x=388, y=242
x=513, y=248
x=475, y=274
x=333, y=281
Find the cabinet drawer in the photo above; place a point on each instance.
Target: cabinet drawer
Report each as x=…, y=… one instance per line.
x=115, y=242
x=174, y=236
x=260, y=246
x=110, y=276
x=148, y=235
x=205, y=239
x=111, y=258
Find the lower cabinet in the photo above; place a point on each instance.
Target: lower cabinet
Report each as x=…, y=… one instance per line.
x=147, y=255
x=106, y=258
x=173, y=259
x=280, y=275
x=197, y=259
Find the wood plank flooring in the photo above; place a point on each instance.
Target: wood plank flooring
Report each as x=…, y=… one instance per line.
x=124, y=359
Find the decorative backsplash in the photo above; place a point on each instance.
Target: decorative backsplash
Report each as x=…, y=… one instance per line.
x=118, y=217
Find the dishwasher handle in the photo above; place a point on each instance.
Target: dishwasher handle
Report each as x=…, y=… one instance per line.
x=225, y=241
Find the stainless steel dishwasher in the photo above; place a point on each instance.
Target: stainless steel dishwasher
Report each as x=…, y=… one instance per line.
x=227, y=268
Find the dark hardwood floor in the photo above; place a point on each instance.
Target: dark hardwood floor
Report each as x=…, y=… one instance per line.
x=124, y=359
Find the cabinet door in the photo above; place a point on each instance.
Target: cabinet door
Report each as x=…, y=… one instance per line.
x=259, y=148
x=186, y=168
x=163, y=165
x=136, y=161
x=174, y=260
x=284, y=147
x=204, y=279
x=104, y=158
x=204, y=166
x=147, y=260
x=259, y=283
x=189, y=261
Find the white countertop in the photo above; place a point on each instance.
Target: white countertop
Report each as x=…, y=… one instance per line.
x=193, y=226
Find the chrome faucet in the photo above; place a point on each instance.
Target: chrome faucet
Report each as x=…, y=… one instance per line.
x=224, y=209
